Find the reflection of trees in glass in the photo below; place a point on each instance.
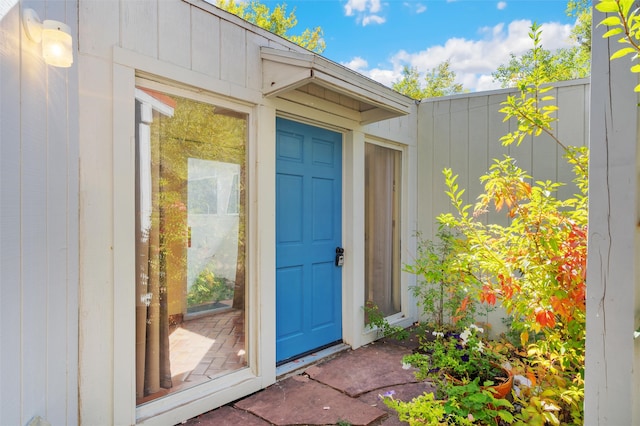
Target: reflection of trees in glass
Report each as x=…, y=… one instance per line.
x=171, y=131
x=206, y=132
x=203, y=196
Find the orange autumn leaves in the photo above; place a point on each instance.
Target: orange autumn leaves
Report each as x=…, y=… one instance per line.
x=535, y=266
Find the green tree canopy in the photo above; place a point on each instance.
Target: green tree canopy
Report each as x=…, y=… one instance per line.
x=581, y=33
x=278, y=21
x=563, y=64
x=439, y=81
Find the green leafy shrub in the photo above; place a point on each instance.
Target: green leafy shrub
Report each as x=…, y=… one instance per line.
x=375, y=319
x=466, y=404
x=535, y=266
x=207, y=288
x=443, y=286
x=462, y=356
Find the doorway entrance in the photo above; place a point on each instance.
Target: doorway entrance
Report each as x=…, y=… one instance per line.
x=308, y=232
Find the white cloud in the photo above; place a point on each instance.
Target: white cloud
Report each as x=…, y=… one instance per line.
x=357, y=64
x=473, y=61
x=501, y=5
x=372, y=19
x=365, y=11
x=416, y=8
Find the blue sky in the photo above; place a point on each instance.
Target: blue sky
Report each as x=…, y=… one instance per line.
x=378, y=37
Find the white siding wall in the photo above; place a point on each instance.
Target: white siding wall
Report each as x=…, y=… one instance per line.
x=38, y=225
x=462, y=132
x=612, y=382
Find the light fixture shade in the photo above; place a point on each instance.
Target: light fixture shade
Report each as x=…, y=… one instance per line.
x=57, y=44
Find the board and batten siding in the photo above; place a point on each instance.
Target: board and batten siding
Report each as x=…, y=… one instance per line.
x=38, y=224
x=462, y=132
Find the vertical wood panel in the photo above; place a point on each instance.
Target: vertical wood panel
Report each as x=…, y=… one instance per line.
x=61, y=374
x=497, y=129
x=425, y=173
x=254, y=63
x=523, y=153
x=124, y=244
x=10, y=244
x=33, y=95
x=570, y=130
x=56, y=244
x=72, y=263
x=459, y=151
x=96, y=242
x=478, y=144
x=55, y=237
x=139, y=26
x=174, y=32
x=441, y=154
x=233, y=52
x=37, y=372
x=545, y=153
x=99, y=28
x=205, y=42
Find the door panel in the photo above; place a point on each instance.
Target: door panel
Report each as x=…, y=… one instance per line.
x=308, y=230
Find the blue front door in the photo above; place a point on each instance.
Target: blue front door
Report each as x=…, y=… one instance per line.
x=308, y=230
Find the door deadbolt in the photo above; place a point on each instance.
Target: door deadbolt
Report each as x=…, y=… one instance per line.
x=339, y=256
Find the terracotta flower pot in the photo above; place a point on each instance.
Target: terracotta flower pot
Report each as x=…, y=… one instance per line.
x=503, y=389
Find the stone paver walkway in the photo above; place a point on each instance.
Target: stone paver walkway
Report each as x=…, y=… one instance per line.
x=342, y=390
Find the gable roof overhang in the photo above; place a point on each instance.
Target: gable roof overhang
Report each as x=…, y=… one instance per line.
x=311, y=79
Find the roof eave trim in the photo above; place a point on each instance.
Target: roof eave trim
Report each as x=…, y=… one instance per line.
x=284, y=71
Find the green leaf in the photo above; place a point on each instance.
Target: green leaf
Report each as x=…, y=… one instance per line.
x=622, y=52
x=610, y=21
x=612, y=32
x=607, y=6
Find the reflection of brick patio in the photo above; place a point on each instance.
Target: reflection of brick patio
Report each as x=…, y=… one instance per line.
x=207, y=347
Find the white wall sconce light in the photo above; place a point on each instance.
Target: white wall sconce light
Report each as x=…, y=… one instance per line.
x=57, y=43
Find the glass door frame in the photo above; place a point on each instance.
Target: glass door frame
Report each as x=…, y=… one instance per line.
x=242, y=381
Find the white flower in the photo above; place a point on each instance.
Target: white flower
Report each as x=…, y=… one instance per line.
x=438, y=334
x=478, y=329
x=406, y=366
x=549, y=406
x=636, y=334
x=479, y=347
x=464, y=336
